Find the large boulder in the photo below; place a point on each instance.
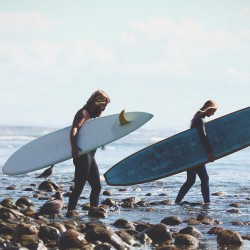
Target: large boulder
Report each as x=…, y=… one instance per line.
x=229, y=237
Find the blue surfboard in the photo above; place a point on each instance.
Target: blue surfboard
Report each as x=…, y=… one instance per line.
x=183, y=151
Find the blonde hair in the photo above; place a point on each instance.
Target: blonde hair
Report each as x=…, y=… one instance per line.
x=99, y=97
x=210, y=104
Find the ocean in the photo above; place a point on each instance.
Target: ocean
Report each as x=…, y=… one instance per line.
x=229, y=176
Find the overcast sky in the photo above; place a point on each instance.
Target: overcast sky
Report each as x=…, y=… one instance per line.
x=159, y=56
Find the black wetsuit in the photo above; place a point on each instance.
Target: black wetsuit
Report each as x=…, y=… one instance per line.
x=199, y=123
x=86, y=169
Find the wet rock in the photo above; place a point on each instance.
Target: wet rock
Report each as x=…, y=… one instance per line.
x=103, y=246
x=7, y=214
x=32, y=242
x=229, y=237
x=8, y=203
x=130, y=202
x=150, y=209
x=24, y=229
x=219, y=193
x=6, y=229
x=186, y=239
x=124, y=223
x=140, y=226
x=218, y=222
x=98, y=212
x=132, y=232
x=106, y=193
x=162, y=194
x=85, y=206
x=142, y=204
x=29, y=189
x=59, y=226
x=205, y=219
x=154, y=203
x=6, y=244
x=215, y=230
x=158, y=233
x=235, y=205
x=234, y=211
x=170, y=247
x=183, y=203
x=104, y=235
x=41, y=220
x=193, y=204
x=48, y=233
x=110, y=202
x=81, y=227
x=12, y=187
x=37, y=223
x=70, y=224
x=71, y=239
x=126, y=237
x=28, y=211
x=166, y=202
x=193, y=221
x=24, y=201
x=48, y=186
x=36, y=196
x=172, y=221
x=148, y=194
x=91, y=226
x=144, y=239
x=246, y=237
x=238, y=223
x=192, y=231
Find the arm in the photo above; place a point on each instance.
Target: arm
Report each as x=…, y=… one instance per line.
x=204, y=139
x=79, y=119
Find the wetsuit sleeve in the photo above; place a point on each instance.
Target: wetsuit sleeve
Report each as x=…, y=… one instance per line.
x=200, y=125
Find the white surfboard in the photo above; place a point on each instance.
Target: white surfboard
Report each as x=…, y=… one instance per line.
x=55, y=147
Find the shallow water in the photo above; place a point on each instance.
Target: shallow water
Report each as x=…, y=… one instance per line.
x=229, y=175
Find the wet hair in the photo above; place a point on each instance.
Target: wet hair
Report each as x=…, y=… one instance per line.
x=99, y=97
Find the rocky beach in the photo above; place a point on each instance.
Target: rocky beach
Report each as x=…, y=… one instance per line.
x=143, y=220
x=133, y=217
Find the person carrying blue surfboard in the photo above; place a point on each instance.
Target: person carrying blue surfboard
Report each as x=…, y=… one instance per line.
x=208, y=109
x=86, y=168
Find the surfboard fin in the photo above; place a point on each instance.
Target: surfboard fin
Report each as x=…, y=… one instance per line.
x=122, y=118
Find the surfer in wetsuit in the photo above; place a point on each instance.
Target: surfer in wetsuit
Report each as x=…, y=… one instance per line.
x=198, y=122
x=86, y=168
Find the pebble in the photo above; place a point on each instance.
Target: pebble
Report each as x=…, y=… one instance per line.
x=21, y=229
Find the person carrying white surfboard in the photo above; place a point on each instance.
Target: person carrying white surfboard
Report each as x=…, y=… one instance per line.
x=208, y=109
x=86, y=168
